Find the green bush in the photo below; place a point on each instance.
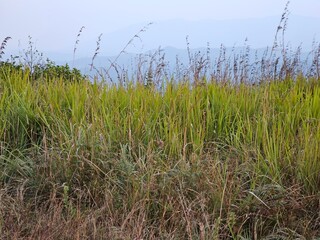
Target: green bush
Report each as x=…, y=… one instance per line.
x=48, y=70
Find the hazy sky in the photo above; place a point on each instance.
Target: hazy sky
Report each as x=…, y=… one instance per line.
x=55, y=24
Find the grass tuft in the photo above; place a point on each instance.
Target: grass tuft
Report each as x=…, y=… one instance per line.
x=191, y=161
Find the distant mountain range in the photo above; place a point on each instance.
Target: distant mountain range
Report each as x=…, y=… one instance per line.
x=171, y=35
x=259, y=32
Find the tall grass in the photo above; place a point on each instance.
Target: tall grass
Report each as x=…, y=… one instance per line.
x=208, y=161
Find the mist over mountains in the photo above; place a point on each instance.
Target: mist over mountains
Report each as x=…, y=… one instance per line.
x=171, y=36
x=260, y=33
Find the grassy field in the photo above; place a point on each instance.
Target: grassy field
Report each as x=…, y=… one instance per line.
x=83, y=160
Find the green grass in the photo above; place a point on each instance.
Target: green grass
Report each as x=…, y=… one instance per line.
x=217, y=161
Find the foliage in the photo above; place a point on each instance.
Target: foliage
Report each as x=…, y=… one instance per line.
x=44, y=71
x=50, y=70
